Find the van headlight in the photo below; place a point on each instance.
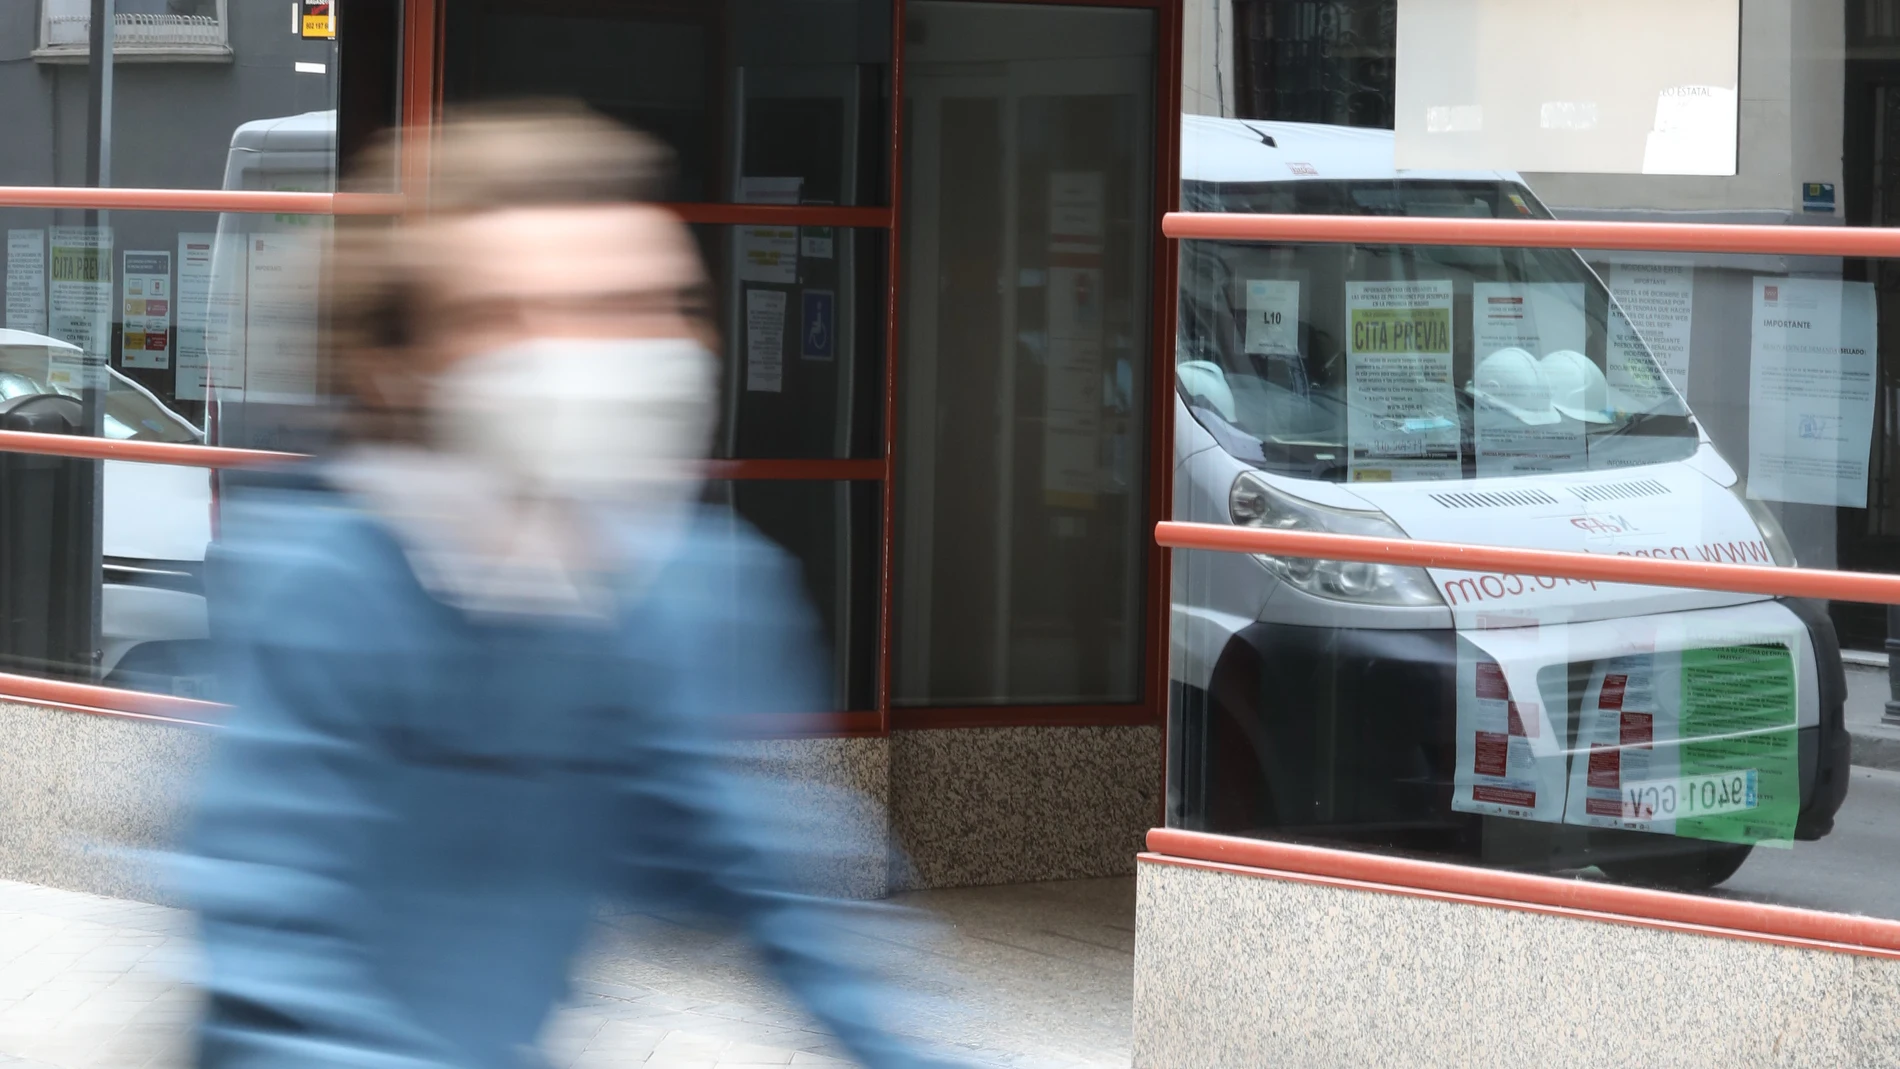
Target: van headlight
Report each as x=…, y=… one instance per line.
x=1779, y=548
x=1252, y=503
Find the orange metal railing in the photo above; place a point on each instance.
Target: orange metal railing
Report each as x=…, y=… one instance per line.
x=1506, y=560
x=1537, y=234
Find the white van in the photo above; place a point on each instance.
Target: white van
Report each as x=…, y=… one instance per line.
x=1495, y=396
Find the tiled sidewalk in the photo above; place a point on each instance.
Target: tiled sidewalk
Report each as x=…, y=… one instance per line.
x=99, y=983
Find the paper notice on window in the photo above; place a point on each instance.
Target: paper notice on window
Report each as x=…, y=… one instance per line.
x=1698, y=742
x=764, y=341
x=1510, y=750
x=281, y=341
x=26, y=280
x=1273, y=317
x=1538, y=317
x=145, y=309
x=1811, y=391
x=1658, y=305
x=79, y=298
x=769, y=253
x=193, y=298
x=224, y=316
x=1402, y=421
x=1508, y=445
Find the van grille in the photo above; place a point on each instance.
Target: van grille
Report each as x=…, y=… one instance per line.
x=1620, y=491
x=1494, y=499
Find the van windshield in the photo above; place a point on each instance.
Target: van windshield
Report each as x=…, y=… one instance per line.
x=1386, y=363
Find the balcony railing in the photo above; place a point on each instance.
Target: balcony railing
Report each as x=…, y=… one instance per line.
x=135, y=34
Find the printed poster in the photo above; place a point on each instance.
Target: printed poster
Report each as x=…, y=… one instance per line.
x=1510, y=749
x=145, y=309
x=280, y=318
x=79, y=299
x=1700, y=743
x=1538, y=317
x=225, y=305
x=26, y=280
x=1658, y=308
x=1273, y=317
x=1402, y=418
x=1515, y=429
x=764, y=341
x=769, y=253
x=1811, y=391
x=193, y=296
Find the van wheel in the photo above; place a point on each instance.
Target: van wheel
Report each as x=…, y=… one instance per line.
x=1698, y=868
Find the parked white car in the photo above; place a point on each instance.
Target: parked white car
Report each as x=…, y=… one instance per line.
x=157, y=521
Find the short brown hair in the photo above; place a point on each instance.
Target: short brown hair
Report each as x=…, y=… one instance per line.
x=485, y=157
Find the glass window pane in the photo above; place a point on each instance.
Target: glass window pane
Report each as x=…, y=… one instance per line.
x=830, y=529
x=1025, y=334
x=198, y=87
x=217, y=319
x=765, y=101
x=802, y=317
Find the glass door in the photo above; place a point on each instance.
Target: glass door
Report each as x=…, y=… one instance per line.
x=1025, y=354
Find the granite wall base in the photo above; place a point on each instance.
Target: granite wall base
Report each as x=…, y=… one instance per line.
x=1241, y=971
x=90, y=800
x=976, y=806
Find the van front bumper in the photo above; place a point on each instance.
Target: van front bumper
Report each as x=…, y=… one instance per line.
x=1352, y=733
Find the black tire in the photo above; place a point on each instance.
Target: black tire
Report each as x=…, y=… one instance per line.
x=1697, y=867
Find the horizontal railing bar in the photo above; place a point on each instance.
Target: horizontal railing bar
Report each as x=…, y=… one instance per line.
x=1505, y=560
x=255, y=201
x=183, y=454
x=1874, y=242
x=1522, y=888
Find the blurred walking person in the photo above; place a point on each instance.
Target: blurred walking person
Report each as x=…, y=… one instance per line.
x=485, y=656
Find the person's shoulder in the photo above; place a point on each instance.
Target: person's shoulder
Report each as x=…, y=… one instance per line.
x=292, y=540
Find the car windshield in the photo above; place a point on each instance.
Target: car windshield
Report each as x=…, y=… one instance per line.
x=1384, y=363
x=131, y=413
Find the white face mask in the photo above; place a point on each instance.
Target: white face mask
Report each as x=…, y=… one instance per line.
x=615, y=421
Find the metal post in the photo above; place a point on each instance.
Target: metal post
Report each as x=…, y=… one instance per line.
x=99, y=63
x=1891, y=715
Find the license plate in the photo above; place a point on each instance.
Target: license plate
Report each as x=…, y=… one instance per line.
x=1687, y=797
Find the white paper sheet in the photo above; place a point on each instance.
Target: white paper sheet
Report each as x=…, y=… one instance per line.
x=1538, y=317
x=281, y=340
x=145, y=309
x=764, y=341
x=1273, y=317
x=26, y=280
x=1402, y=421
x=1659, y=301
x=1811, y=390
x=193, y=297
x=1510, y=743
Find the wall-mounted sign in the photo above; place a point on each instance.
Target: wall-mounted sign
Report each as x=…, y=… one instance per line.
x=316, y=20
x=1817, y=197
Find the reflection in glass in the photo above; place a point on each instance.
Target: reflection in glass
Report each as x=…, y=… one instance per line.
x=765, y=101
x=1026, y=354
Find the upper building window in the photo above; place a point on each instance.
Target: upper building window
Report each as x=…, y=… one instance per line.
x=141, y=30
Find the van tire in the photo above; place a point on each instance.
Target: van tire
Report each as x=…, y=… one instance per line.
x=1705, y=866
